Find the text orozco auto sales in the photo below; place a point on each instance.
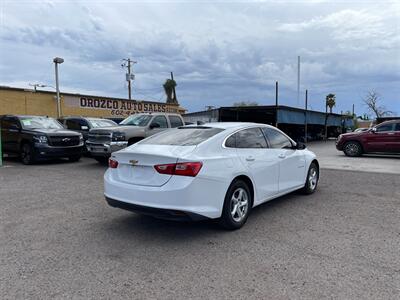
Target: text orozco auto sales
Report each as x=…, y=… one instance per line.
x=122, y=107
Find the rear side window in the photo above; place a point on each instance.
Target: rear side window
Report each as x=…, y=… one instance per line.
x=73, y=124
x=175, y=121
x=397, y=127
x=161, y=120
x=383, y=128
x=247, y=138
x=277, y=139
x=182, y=136
x=7, y=123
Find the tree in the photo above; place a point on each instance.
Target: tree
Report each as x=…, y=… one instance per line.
x=330, y=101
x=169, y=88
x=245, y=103
x=371, y=100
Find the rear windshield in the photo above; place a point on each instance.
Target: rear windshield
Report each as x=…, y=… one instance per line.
x=183, y=136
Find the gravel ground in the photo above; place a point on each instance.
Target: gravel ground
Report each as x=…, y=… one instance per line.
x=59, y=239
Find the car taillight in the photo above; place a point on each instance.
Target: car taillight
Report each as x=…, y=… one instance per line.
x=182, y=169
x=113, y=164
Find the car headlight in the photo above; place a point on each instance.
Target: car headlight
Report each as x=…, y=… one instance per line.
x=118, y=136
x=42, y=139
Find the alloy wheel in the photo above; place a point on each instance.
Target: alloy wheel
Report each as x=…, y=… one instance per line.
x=313, y=178
x=352, y=149
x=26, y=154
x=239, y=204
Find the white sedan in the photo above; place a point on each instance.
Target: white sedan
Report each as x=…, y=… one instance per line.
x=216, y=171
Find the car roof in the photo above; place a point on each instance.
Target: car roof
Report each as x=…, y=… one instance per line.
x=157, y=114
x=390, y=121
x=27, y=116
x=228, y=125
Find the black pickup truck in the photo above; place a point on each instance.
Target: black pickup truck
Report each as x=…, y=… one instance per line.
x=36, y=138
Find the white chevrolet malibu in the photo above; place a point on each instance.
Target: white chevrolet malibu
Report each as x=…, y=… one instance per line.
x=216, y=171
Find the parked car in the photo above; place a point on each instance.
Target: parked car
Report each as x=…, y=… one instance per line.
x=361, y=129
x=383, y=138
x=104, y=141
x=84, y=124
x=216, y=171
x=36, y=138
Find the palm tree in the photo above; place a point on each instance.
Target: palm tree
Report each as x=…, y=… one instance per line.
x=330, y=101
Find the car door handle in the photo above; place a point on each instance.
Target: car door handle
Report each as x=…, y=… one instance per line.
x=250, y=158
x=282, y=155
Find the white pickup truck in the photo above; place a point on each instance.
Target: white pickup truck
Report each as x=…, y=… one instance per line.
x=102, y=142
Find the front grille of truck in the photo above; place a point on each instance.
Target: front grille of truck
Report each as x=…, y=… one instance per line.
x=60, y=141
x=99, y=138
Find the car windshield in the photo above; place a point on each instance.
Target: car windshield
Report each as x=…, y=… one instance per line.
x=136, y=120
x=97, y=123
x=40, y=123
x=183, y=136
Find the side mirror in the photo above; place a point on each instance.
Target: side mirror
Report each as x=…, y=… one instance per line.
x=373, y=129
x=154, y=125
x=300, y=146
x=85, y=128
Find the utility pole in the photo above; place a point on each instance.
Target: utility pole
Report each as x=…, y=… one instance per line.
x=353, y=111
x=305, y=119
x=276, y=104
x=298, y=81
x=57, y=61
x=127, y=62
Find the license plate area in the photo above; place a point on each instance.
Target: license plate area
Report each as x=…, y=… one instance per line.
x=97, y=149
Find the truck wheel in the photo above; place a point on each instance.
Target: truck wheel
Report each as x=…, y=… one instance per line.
x=27, y=154
x=102, y=160
x=352, y=149
x=74, y=158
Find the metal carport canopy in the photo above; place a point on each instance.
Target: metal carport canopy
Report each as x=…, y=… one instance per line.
x=291, y=116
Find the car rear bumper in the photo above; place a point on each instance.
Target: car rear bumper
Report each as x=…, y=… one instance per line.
x=186, y=195
x=48, y=152
x=167, y=214
x=105, y=150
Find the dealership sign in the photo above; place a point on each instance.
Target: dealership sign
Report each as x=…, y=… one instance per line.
x=117, y=107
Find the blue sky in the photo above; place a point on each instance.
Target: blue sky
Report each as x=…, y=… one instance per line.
x=220, y=52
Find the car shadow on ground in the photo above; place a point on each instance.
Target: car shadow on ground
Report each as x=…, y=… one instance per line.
x=84, y=161
x=136, y=226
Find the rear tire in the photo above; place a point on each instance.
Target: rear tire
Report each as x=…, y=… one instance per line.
x=237, y=205
x=27, y=154
x=312, y=179
x=352, y=149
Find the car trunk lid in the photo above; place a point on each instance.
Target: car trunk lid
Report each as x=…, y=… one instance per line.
x=136, y=163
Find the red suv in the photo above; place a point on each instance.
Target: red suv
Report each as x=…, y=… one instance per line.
x=384, y=137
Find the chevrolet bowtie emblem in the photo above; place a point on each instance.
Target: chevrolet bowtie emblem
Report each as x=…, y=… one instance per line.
x=133, y=162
